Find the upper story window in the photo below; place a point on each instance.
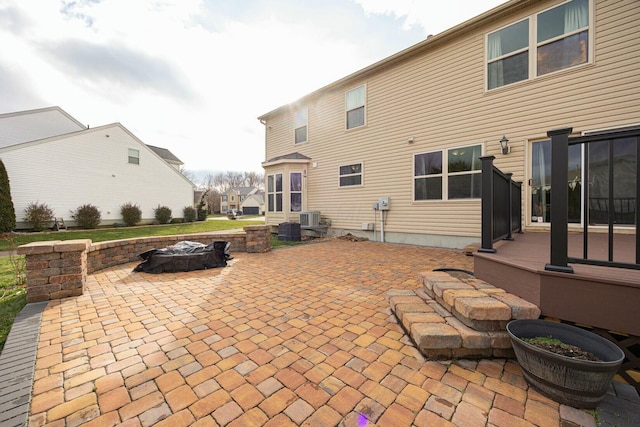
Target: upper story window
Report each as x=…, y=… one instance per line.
x=274, y=192
x=355, y=106
x=455, y=172
x=300, y=122
x=351, y=175
x=296, y=191
x=224, y=198
x=561, y=37
x=134, y=156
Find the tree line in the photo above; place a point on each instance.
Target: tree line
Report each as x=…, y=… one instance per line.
x=213, y=185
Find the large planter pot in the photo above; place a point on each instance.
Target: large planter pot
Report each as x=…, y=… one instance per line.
x=577, y=383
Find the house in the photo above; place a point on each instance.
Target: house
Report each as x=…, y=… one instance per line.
x=52, y=158
x=392, y=151
x=253, y=204
x=234, y=197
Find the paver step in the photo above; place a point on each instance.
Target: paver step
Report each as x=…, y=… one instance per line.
x=450, y=318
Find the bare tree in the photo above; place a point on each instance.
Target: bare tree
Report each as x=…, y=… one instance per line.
x=254, y=179
x=187, y=173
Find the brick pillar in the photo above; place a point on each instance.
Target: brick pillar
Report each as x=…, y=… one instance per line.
x=258, y=238
x=56, y=269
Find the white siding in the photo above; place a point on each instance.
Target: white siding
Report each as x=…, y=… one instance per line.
x=92, y=167
x=35, y=124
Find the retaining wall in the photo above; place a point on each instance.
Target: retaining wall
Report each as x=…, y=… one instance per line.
x=59, y=269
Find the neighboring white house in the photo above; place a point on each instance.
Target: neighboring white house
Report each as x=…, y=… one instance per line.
x=52, y=158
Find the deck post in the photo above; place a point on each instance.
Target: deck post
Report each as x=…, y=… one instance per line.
x=487, y=205
x=559, y=200
x=510, y=207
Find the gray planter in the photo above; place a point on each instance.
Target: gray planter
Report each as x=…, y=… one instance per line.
x=577, y=383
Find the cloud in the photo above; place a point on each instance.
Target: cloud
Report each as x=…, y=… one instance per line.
x=118, y=66
x=193, y=75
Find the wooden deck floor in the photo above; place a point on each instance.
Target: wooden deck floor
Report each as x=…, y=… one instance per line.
x=531, y=250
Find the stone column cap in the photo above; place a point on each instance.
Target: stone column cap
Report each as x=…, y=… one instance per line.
x=37, y=247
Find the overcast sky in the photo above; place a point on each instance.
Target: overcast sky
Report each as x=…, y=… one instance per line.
x=193, y=75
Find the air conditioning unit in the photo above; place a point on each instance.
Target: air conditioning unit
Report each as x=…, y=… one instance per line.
x=310, y=219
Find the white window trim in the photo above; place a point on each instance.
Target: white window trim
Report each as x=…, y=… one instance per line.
x=444, y=174
x=306, y=125
x=361, y=163
x=129, y=150
x=364, y=124
x=533, y=48
x=275, y=192
x=290, y=192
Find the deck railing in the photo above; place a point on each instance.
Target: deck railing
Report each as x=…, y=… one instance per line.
x=613, y=206
x=501, y=205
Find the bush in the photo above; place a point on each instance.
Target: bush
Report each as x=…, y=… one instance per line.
x=7, y=210
x=131, y=214
x=87, y=216
x=176, y=221
x=189, y=214
x=163, y=214
x=202, y=207
x=38, y=215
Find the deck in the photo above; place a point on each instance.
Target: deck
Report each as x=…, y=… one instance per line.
x=602, y=297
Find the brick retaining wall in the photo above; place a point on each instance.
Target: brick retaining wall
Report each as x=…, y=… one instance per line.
x=58, y=269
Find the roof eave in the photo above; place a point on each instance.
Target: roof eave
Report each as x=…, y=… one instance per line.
x=418, y=48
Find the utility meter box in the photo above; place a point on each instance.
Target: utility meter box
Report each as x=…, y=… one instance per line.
x=383, y=203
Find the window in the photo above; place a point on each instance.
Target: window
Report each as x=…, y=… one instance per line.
x=356, y=99
x=457, y=178
x=300, y=121
x=508, y=55
x=296, y=191
x=428, y=176
x=224, y=198
x=561, y=41
x=134, y=156
x=563, y=36
x=464, y=172
x=351, y=175
x=274, y=192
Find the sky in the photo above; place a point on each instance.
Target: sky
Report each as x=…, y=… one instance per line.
x=194, y=75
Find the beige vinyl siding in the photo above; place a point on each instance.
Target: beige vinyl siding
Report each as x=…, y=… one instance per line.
x=439, y=98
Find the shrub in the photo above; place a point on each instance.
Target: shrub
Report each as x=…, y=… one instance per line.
x=202, y=207
x=163, y=214
x=176, y=221
x=38, y=215
x=131, y=214
x=87, y=216
x=189, y=214
x=7, y=210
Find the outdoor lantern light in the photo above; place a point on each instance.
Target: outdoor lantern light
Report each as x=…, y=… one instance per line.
x=504, y=143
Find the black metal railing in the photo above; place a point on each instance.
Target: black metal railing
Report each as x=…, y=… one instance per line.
x=501, y=205
x=611, y=210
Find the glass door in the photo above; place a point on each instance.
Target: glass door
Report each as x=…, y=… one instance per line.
x=540, y=183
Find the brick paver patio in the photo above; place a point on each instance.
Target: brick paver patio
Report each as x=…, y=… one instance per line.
x=300, y=335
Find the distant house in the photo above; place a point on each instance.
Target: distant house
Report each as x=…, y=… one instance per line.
x=253, y=204
x=52, y=158
x=233, y=198
x=392, y=151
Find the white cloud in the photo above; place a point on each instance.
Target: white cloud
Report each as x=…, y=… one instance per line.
x=193, y=76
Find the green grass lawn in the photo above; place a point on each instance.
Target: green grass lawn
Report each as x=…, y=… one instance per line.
x=103, y=234
x=13, y=294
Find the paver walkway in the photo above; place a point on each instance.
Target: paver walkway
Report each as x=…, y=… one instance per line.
x=301, y=335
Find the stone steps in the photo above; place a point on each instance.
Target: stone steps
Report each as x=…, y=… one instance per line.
x=454, y=318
